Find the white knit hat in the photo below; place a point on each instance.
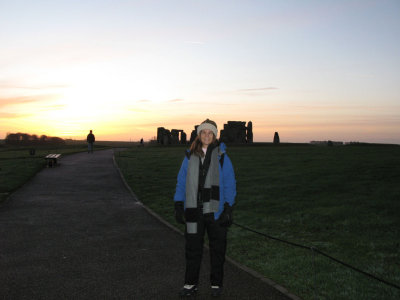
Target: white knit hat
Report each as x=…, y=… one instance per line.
x=208, y=124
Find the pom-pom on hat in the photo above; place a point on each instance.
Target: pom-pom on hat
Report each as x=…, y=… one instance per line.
x=208, y=124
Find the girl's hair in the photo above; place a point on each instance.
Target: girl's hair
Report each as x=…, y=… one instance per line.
x=196, y=147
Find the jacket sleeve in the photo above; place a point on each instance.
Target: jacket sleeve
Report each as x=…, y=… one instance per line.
x=229, y=181
x=180, y=193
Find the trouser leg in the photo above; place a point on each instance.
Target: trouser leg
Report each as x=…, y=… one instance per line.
x=194, y=254
x=217, y=238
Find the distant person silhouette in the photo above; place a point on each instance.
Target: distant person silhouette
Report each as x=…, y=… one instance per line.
x=141, y=142
x=90, y=139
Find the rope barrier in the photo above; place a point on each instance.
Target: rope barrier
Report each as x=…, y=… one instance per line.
x=313, y=249
x=356, y=269
x=271, y=237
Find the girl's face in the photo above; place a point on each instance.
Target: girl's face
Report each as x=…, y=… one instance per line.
x=206, y=137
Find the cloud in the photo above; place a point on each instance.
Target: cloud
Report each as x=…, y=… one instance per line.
x=20, y=84
x=255, y=91
x=258, y=89
x=360, y=108
x=175, y=100
x=215, y=103
x=144, y=100
x=16, y=100
x=4, y=115
x=6, y=101
x=44, y=87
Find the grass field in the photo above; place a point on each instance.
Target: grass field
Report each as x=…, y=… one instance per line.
x=344, y=201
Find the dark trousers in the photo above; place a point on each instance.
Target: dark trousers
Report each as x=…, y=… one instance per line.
x=90, y=147
x=194, y=250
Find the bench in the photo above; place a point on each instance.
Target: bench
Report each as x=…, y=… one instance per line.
x=51, y=160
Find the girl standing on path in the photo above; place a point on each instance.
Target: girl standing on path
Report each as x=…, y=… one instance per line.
x=205, y=194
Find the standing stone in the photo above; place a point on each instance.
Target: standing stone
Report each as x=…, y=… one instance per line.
x=166, y=137
x=249, y=132
x=166, y=140
x=276, y=138
x=160, y=135
x=193, y=135
x=183, y=137
x=175, y=136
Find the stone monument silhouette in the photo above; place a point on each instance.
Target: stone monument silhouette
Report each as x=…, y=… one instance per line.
x=167, y=137
x=236, y=132
x=276, y=138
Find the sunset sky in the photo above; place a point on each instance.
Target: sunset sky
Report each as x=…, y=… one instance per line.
x=311, y=70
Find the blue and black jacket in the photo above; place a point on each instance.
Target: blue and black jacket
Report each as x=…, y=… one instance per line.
x=227, y=182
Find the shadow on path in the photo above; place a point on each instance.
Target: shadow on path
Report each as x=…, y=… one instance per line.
x=75, y=232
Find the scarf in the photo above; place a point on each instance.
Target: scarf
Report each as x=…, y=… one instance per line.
x=208, y=195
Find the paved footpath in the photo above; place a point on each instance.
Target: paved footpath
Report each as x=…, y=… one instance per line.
x=76, y=232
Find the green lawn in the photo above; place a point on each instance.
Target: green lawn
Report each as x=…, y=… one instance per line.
x=344, y=201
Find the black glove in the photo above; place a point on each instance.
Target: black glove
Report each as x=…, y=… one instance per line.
x=225, y=219
x=179, y=212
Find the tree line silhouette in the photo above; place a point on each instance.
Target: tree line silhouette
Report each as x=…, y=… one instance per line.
x=25, y=139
